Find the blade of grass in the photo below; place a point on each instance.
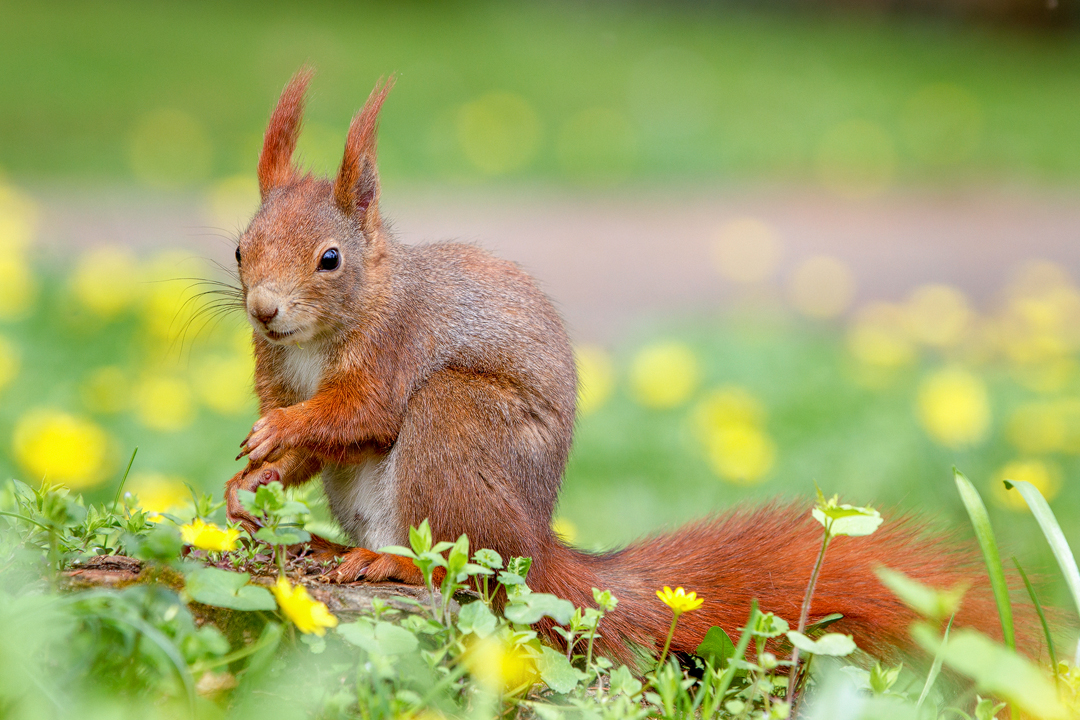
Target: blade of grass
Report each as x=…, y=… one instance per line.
x=1042, y=619
x=935, y=669
x=985, y=533
x=123, y=480
x=1052, y=530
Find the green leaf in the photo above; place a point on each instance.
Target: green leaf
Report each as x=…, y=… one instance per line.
x=222, y=588
x=833, y=644
x=848, y=520
x=530, y=608
x=420, y=538
x=379, y=638
x=623, y=681
x=987, y=709
x=398, y=550
x=882, y=679
x=488, y=558
x=1052, y=530
x=985, y=534
x=931, y=603
x=557, y=672
x=283, y=536
x=996, y=670
x=716, y=648
x=477, y=619
x=769, y=625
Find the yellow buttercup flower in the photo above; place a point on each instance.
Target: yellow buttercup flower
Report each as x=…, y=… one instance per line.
x=18, y=287
x=64, y=448
x=499, y=666
x=224, y=384
x=679, y=600
x=308, y=614
x=207, y=536
x=954, y=407
x=664, y=375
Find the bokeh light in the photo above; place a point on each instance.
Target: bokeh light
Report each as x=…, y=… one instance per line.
x=954, y=407
x=942, y=124
x=879, y=337
x=224, y=384
x=822, y=287
x=939, y=315
x=233, y=201
x=856, y=159
x=158, y=493
x=164, y=403
x=664, y=375
x=106, y=280
x=169, y=149
x=596, y=377
x=729, y=422
x=61, y=448
x=107, y=390
x=746, y=250
x=1046, y=477
x=499, y=132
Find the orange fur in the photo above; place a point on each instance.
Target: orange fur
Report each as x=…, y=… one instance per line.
x=437, y=382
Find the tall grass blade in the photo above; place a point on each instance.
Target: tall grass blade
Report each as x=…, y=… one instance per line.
x=1042, y=619
x=985, y=533
x=935, y=669
x=123, y=480
x=1049, y=524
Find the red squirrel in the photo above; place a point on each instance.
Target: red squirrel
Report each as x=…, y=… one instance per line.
x=437, y=381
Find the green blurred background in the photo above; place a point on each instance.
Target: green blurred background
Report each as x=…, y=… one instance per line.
x=800, y=375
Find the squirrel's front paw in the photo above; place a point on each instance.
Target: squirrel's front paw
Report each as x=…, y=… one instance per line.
x=266, y=439
x=247, y=480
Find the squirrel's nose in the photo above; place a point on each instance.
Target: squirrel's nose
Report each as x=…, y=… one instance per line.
x=264, y=315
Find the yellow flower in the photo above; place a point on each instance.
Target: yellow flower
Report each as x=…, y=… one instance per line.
x=1044, y=476
x=164, y=403
x=64, y=448
x=106, y=280
x=664, y=375
x=596, y=378
x=308, y=614
x=171, y=303
x=207, y=536
x=954, y=407
x=499, y=666
x=679, y=600
x=157, y=493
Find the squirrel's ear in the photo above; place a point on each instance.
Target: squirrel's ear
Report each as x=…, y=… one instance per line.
x=356, y=188
x=275, y=160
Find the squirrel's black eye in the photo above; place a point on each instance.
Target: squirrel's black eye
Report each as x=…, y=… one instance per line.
x=237, y=254
x=330, y=259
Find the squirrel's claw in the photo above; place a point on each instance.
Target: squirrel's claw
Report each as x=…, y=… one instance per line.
x=265, y=440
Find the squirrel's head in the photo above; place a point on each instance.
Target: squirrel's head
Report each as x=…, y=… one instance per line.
x=311, y=251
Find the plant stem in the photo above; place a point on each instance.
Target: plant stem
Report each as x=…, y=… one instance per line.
x=804, y=614
x=667, y=643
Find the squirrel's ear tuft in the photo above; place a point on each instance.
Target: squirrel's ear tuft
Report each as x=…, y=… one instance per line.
x=275, y=160
x=356, y=188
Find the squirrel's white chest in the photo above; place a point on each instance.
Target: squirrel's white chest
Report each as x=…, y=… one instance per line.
x=303, y=369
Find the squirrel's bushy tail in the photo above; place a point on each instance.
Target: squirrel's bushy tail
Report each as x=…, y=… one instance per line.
x=767, y=554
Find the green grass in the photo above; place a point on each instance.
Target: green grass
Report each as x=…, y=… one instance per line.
x=685, y=92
